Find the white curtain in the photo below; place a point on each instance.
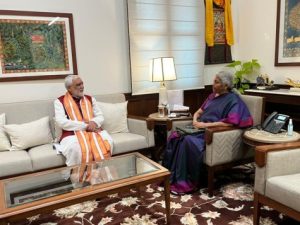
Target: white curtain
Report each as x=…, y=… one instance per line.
x=166, y=28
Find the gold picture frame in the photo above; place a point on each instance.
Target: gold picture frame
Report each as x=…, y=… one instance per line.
x=36, y=45
x=287, y=47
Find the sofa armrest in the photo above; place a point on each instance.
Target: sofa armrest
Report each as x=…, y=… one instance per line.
x=261, y=152
x=225, y=145
x=139, y=125
x=275, y=160
x=209, y=132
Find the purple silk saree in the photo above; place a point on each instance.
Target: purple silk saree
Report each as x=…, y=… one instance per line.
x=184, y=154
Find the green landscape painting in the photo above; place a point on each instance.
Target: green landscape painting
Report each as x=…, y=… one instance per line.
x=32, y=46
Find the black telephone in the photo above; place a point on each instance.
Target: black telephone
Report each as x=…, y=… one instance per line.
x=274, y=122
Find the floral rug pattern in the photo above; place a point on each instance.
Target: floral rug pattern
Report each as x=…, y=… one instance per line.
x=232, y=205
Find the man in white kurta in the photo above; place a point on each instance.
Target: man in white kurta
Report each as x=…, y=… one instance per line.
x=69, y=145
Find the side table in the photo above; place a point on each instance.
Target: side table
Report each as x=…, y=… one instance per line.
x=161, y=126
x=255, y=137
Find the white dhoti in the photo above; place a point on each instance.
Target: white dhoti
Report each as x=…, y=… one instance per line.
x=70, y=148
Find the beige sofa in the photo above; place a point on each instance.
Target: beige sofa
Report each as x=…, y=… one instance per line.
x=44, y=156
x=277, y=179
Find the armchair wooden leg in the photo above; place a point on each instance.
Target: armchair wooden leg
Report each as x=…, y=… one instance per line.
x=210, y=180
x=256, y=210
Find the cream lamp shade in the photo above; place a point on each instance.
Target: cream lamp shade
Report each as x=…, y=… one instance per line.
x=162, y=69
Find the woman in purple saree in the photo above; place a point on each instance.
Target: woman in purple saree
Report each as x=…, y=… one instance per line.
x=184, y=153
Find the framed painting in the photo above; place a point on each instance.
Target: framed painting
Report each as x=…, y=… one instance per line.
x=287, y=47
x=36, y=45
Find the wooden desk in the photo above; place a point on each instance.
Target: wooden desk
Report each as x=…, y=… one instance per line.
x=255, y=137
x=282, y=100
x=285, y=92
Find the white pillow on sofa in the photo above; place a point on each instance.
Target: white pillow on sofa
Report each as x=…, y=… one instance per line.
x=26, y=135
x=115, y=116
x=4, y=141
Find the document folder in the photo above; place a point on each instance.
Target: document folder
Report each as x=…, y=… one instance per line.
x=190, y=129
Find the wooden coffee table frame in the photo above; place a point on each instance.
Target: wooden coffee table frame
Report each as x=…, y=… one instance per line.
x=20, y=212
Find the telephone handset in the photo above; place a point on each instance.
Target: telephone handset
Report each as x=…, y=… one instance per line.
x=275, y=122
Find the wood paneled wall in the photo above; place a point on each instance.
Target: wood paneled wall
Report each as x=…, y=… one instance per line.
x=143, y=105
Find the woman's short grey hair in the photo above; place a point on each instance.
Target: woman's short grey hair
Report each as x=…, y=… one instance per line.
x=226, y=78
x=69, y=80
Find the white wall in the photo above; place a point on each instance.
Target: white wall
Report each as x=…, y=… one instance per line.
x=102, y=45
x=255, y=34
x=101, y=41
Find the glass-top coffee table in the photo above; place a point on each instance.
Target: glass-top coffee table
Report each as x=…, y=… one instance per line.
x=35, y=193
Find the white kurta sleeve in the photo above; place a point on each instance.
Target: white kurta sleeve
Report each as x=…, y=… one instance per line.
x=62, y=120
x=98, y=115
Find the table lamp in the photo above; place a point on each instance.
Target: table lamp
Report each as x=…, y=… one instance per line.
x=162, y=69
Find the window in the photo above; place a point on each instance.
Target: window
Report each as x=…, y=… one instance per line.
x=166, y=28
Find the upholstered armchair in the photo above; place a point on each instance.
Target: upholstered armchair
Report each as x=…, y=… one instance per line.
x=277, y=179
x=224, y=145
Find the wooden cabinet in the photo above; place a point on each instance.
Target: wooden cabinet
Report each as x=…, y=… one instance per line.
x=282, y=101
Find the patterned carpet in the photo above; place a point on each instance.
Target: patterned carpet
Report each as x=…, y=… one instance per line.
x=231, y=205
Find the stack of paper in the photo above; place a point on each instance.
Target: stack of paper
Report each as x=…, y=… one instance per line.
x=180, y=108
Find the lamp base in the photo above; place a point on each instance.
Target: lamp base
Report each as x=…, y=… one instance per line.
x=163, y=97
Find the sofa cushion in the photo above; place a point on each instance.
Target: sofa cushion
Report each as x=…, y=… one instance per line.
x=255, y=106
x=14, y=162
x=26, y=135
x=115, y=116
x=4, y=141
x=125, y=142
x=285, y=190
x=44, y=157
